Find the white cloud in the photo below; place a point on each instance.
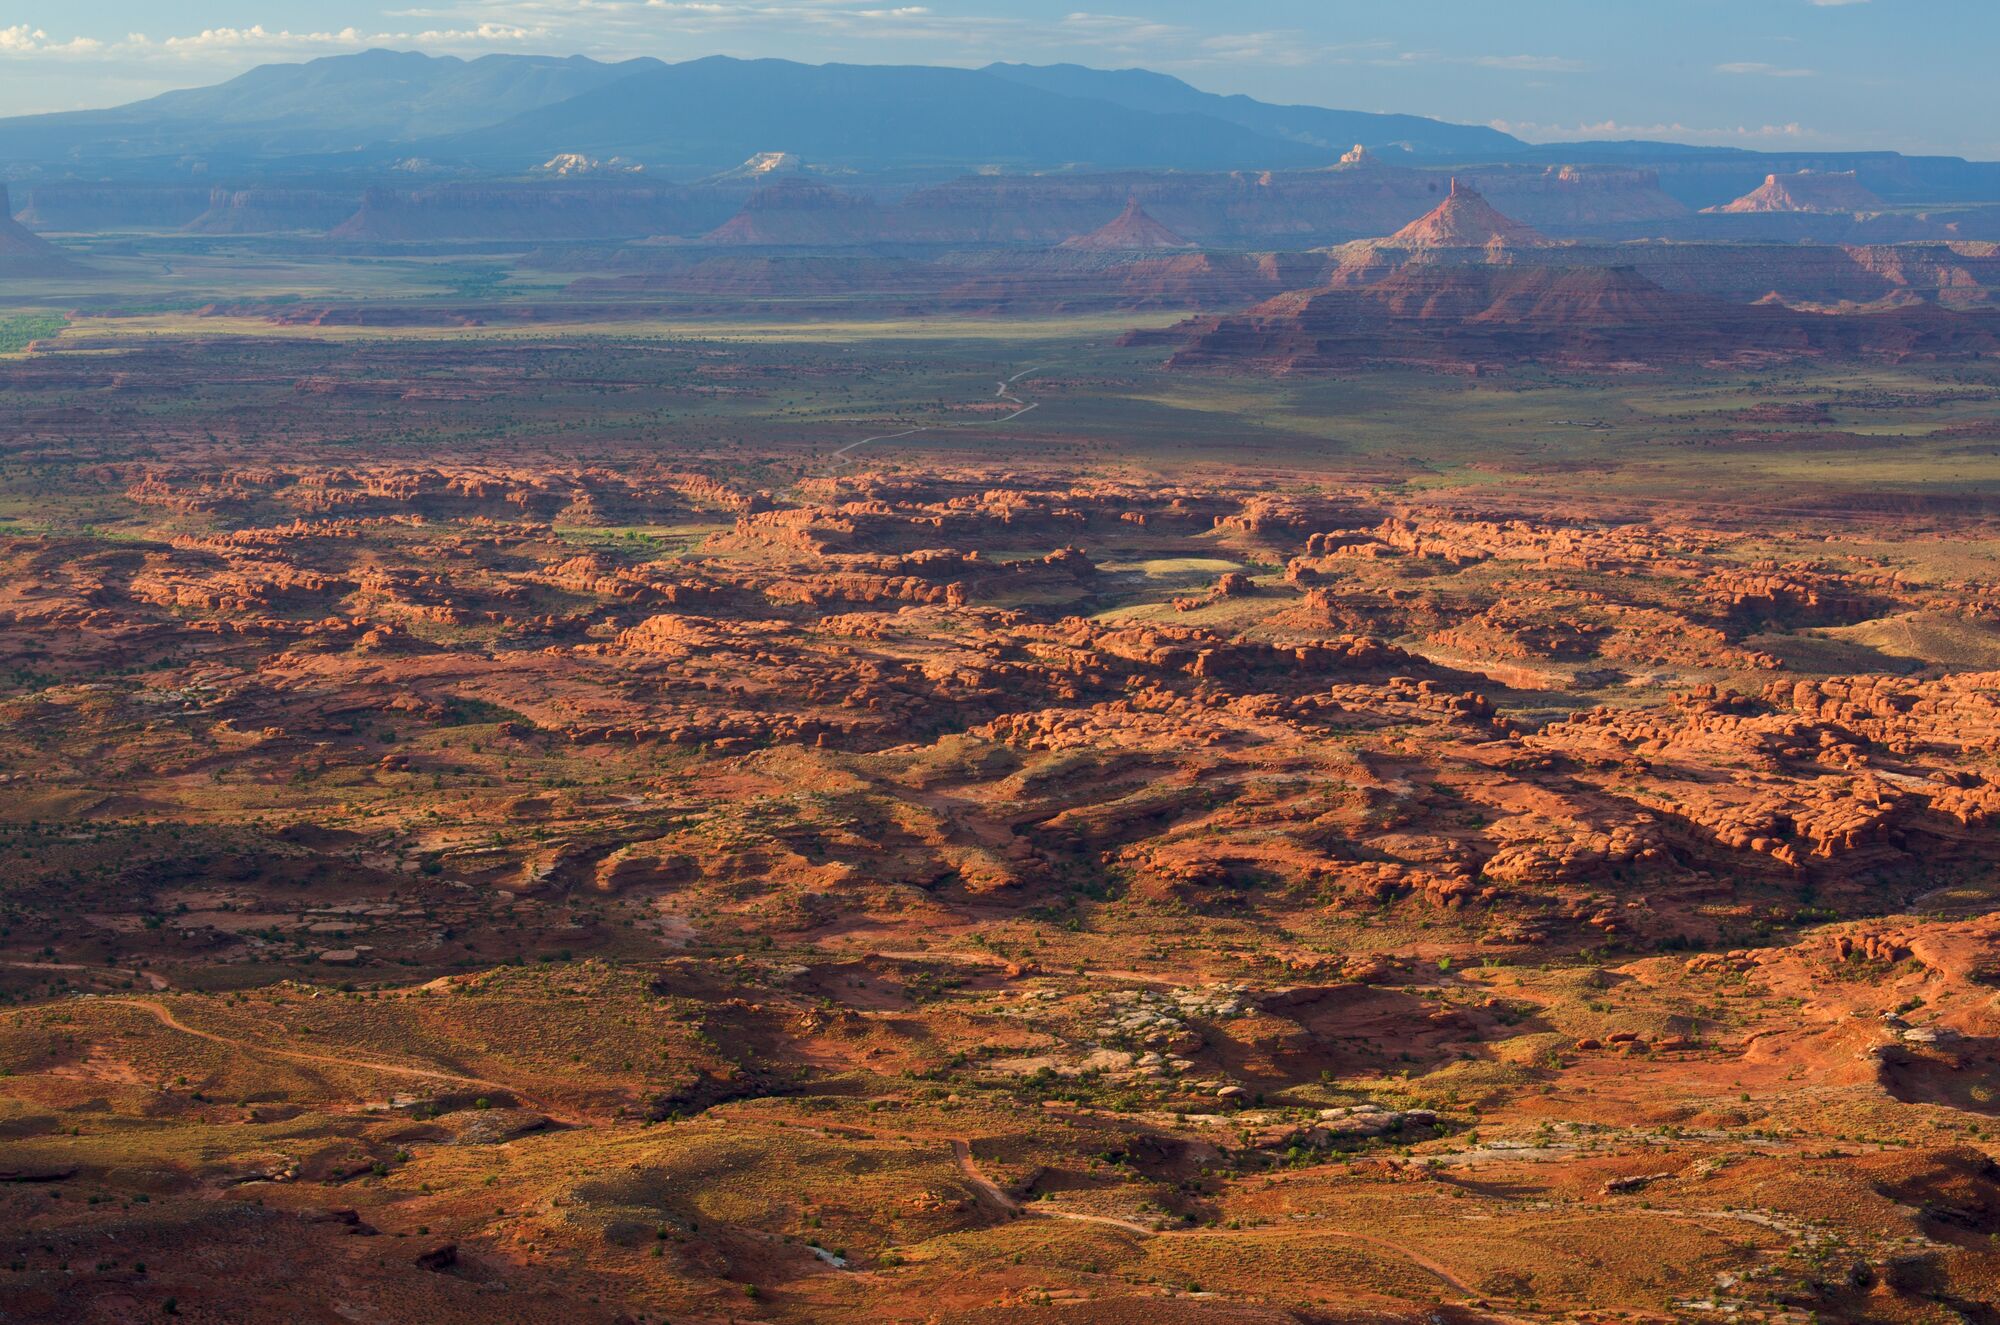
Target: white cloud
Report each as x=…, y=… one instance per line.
x=1280, y=49
x=211, y=39
x=1119, y=30
x=680, y=28
x=260, y=38
x=24, y=40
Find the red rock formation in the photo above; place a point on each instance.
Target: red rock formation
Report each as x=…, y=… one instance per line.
x=1829, y=277
x=1466, y=220
x=1479, y=316
x=1131, y=229
x=1807, y=191
x=262, y=210
x=1271, y=208
x=85, y=207
x=1576, y=198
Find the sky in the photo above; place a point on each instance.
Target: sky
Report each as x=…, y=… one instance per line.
x=1911, y=75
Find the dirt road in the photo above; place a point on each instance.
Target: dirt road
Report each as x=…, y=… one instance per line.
x=161, y=1013
x=1006, y=392
x=991, y=1196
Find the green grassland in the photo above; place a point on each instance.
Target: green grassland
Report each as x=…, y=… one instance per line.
x=746, y=391
x=22, y=330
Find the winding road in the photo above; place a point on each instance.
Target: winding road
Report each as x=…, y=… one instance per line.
x=990, y=1194
x=1006, y=392
x=155, y=981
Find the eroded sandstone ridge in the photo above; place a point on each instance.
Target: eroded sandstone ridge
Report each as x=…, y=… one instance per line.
x=1351, y=724
x=789, y=825
x=1478, y=317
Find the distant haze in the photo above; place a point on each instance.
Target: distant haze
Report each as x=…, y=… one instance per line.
x=1768, y=74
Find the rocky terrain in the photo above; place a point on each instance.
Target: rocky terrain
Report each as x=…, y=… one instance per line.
x=1807, y=191
x=1057, y=699
x=1130, y=229
x=1357, y=198
x=267, y=210
x=801, y=213
x=1828, y=276
x=1469, y=288
x=516, y=827
x=24, y=254
x=1474, y=318
x=81, y=207
x=1466, y=220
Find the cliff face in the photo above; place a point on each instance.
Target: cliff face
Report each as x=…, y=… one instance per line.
x=83, y=207
x=799, y=213
x=1295, y=208
x=1564, y=197
x=529, y=211
x=1254, y=210
x=1477, y=317
x=1955, y=275
x=1808, y=191
x=1952, y=275
x=24, y=253
x=261, y=211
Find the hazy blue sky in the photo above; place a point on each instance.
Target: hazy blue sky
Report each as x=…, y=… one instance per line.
x=1910, y=74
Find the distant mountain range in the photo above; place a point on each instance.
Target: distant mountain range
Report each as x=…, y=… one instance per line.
x=377, y=112
x=506, y=113
x=340, y=103
x=1328, y=131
